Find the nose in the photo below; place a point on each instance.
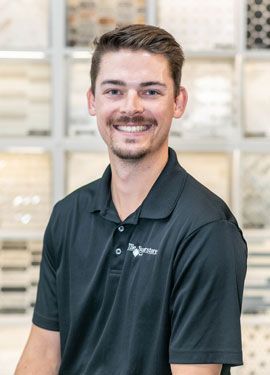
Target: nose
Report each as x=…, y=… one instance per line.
x=132, y=103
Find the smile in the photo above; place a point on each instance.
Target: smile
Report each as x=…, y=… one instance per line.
x=133, y=128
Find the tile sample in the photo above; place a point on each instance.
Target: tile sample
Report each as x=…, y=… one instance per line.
x=19, y=274
x=258, y=24
x=25, y=191
x=255, y=181
x=80, y=123
x=89, y=19
x=210, y=110
x=84, y=167
x=257, y=106
x=25, y=98
x=24, y=24
x=257, y=285
x=212, y=169
x=199, y=25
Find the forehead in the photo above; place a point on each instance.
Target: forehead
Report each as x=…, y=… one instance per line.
x=134, y=66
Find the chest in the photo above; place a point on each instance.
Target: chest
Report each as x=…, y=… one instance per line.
x=104, y=263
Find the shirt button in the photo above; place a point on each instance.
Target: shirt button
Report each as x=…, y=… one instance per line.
x=118, y=251
x=121, y=228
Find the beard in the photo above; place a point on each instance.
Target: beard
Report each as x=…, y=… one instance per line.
x=132, y=154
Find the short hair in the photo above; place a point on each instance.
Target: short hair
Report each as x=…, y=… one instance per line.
x=136, y=37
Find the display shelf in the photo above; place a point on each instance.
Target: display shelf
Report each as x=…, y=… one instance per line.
x=219, y=52
x=26, y=143
x=26, y=235
x=19, y=272
x=25, y=55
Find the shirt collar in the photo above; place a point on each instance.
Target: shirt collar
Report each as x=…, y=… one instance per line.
x=159, y=202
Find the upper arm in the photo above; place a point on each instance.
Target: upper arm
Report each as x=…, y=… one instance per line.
x=207, y=369
x=42, y=352
x=206, y=297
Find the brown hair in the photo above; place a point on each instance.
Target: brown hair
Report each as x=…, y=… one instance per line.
x=139, y=37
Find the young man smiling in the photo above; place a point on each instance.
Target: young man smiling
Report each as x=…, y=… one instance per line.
x=142, y=270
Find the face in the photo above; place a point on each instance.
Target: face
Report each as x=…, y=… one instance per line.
x=134, y=103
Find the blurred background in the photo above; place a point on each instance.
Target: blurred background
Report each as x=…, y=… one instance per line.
x=49, y=145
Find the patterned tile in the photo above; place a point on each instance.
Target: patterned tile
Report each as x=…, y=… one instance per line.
x=258, y=24
x=255, y=170
x=88, y=19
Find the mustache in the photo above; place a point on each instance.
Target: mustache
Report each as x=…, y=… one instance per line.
x=124, y=120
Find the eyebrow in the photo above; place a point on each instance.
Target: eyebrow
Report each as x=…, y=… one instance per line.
x=122, y=83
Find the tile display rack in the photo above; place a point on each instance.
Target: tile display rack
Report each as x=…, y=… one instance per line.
x=19, y=273
x=235, y=137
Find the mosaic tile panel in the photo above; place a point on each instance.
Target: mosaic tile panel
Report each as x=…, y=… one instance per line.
x=258, y=24
x=84, y=167
x=25, y=191
x=25, y=98
x=199, y=25
x=88, y=19
x=19, y=274
x=211, y=169
x=257, y=284
x=24, y=24
x=257, y=107
x=210, y=110
x=80, y=123
x=255, y=183
x=256, y=346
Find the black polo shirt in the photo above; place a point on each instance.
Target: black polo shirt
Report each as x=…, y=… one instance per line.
x=164, y=286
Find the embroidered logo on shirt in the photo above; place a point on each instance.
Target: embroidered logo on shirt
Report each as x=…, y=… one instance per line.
x=139, y=250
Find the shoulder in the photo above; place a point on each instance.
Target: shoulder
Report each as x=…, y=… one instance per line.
x=80, y=198
x=73, y=204
x=198, y=207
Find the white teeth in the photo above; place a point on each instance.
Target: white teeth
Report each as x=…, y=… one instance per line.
x=132, y=129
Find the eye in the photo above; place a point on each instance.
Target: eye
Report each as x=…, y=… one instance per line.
x=151, y=92
x=113, y=92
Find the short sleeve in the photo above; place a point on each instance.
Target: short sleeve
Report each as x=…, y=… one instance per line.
x=46, y=309
x=206, y=299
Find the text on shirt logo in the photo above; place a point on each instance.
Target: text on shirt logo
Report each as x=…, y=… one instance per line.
x=139, y=250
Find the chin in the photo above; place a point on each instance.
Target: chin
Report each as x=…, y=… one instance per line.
x=129, y=155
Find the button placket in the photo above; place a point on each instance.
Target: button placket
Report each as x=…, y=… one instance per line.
x=118, y=251
x=119, y=245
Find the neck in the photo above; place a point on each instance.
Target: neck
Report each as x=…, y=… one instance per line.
x=131, y=182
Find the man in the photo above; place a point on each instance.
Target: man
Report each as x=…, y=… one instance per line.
x=142, y=270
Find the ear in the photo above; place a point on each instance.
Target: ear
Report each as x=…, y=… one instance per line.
x=91, y=102
x=180, y=102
